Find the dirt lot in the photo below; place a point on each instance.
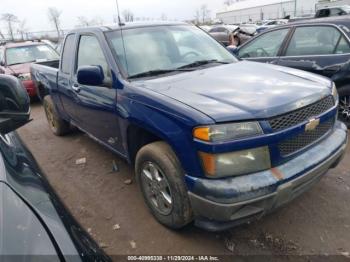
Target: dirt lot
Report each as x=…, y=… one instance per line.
x=318, y=223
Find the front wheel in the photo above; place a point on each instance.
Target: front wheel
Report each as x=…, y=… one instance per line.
x=161, y=180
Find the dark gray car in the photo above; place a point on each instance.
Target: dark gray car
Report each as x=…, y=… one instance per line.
x=320, y=46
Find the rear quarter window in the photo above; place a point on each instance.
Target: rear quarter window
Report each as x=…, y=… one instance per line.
x=67, y=54
x=317, y=40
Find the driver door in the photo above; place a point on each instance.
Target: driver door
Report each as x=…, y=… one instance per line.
x=95, y=106
x=265, y=48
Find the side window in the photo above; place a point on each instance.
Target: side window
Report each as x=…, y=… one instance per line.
x=67, y=54
x=335, y=12
x=316, y=40
x=343, y=46
x=266, y=45
x=324, y=13
x=90, y=53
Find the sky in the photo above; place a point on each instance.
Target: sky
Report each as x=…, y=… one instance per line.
x=35, y=11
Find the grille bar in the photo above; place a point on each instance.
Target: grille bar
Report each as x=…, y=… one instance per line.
x=296, y=117
x=297, y=143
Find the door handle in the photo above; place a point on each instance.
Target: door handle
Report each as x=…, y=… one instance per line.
x=76, y=88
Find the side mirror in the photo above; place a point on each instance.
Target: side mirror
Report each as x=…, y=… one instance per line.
x=90, y=75
x=14, y=104
x=2, y=63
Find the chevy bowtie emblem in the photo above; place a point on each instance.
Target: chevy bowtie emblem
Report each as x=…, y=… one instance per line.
x=313, y=123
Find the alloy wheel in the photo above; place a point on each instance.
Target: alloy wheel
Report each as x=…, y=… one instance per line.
x=344, y=108
x=156, y=188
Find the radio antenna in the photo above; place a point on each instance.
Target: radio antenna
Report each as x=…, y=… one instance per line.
x=119, y=20
x=121, y=24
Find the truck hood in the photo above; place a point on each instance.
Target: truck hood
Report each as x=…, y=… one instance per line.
x=242, y=90
x=19, y=69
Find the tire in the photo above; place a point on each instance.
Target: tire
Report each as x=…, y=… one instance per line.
x=160, y=156
x=57, y=125
x=344, y=105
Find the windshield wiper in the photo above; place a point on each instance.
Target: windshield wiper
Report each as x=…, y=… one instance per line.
x=157, y=72
x=202, y=62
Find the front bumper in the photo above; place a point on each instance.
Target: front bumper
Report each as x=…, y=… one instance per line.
x=224, y=203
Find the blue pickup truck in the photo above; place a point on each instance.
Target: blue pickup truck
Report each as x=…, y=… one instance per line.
x=214, y=140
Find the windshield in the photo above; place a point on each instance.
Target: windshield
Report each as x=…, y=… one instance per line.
x=165, y=48
x=31, y=53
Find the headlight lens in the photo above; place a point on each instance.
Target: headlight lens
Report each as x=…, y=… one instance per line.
x=335, y=93
x=24, y=77
x=227, y=132
x=236, y=163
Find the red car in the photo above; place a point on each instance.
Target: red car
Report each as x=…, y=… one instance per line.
x=15, y=59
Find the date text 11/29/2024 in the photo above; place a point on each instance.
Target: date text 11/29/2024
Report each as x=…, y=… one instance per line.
x=173, y=258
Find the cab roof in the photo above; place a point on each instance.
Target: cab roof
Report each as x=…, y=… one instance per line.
x=337, y=20
x=127, y=26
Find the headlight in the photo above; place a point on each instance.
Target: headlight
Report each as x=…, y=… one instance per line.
x=335, y=93
x=24, y=77
x=227, y=132
x=236, y=163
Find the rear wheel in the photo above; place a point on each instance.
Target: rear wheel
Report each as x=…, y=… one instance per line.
x=161, y=180
x=57, y=125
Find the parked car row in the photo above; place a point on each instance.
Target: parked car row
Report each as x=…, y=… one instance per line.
x=237, y=34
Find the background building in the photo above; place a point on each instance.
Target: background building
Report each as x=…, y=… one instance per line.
x=257, y=10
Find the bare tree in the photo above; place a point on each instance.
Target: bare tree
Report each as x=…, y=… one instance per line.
x=197, y=16
x=1, y=35
x=22, y=28
x=128, y=16
x=85, y=22
x=97, y=20
x=228, y=2
x=163, y=17
x=10, y=20
x=204, y=13
x=54, y=16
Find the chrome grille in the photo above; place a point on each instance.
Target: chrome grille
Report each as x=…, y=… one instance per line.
x=296, y=117
x=293, y=145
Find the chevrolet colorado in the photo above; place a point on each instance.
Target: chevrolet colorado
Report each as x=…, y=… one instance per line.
x=213, y=139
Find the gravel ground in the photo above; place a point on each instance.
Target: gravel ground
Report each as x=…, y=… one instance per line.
x=317, y=223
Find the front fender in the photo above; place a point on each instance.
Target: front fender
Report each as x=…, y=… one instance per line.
x=175, y=129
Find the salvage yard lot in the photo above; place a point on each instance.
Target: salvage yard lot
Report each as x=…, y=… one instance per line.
x=317, y=223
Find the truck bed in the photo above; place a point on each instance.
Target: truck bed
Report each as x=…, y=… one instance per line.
x=52, y=63
x=44, y=76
